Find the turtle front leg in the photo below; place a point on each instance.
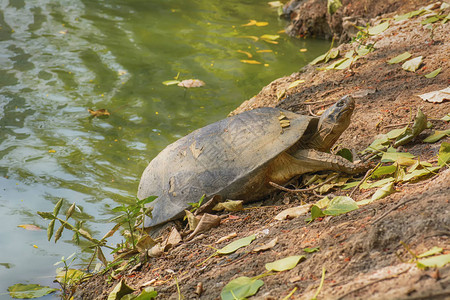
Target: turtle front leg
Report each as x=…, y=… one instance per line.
x=314, y=161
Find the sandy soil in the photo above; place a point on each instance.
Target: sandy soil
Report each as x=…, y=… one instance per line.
x=361, y=251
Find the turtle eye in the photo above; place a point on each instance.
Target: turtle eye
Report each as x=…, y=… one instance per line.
x=340, y=104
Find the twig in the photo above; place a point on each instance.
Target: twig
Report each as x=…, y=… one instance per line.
x=302, y=190
x=408, y=123
x=369, y=284
x=320, y=102
x=391, y=210
x=310, y=111
x=368, y=173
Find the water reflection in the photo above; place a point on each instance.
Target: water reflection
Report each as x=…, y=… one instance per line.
x=59, y=58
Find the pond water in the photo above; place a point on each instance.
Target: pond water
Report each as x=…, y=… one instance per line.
x=60, y=58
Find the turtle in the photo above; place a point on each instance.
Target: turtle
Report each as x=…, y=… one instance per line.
x=239, y=156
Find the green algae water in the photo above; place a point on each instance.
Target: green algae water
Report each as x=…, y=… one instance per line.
x=60, y=58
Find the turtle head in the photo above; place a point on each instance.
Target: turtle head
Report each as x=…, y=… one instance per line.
x=334, y=121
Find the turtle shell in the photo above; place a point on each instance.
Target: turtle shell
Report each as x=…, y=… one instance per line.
x=217, y=159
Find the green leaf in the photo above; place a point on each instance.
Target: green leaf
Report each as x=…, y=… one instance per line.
x=378, y=144
x=335, y=64
x=364, y=50
x=50, y=228
x=171, y=82
x=311, y=250
x=28, y=291
x=230, y=248
x=420, y=124
x=379, y=28
x=432, y=251
x=70, y=276
x=409, y=15
x=433, y=73
x=147, y=294
x=57, y=207
x=393, y=134
x=316, y=212
x=284, y=264
x=413, y=64
x=146, y=200
x=394, y=156
x=241, y=288
x=333, y=6
x=444, y=154
x=399, y=58
x=416, y=174
x=430, y=20
x=350, y=185
x=384, y=170
x=318, y=59
x=378, y=183
x=120, y=290
x=346, y=63
x=46, y=215
x=436, y=136
x=446, y=117
x=386, y=190
x=323, y=203
x=340, y=205
x=330, y=54
x=434, y=262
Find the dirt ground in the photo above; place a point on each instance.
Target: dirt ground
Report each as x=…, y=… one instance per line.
x=362, y=251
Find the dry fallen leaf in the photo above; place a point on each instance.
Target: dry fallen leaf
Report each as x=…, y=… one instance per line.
x=293, y=212
x=227, y=237
x=190, y=83
x=174, y=238
x=230, y=205
x=437, y=96
x=30, y=227
x=266, y=246
x=207, y=222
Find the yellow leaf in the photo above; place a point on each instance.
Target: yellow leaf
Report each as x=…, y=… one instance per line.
x=246, y=53
x=251, y=23
x=255, y=38
x=254, y=22
x=303, y=50
x=35, y=246
x=29, y=227
x=99, y=113
x=295, y=83
x=270, y=42
x=252, y=62
x=51, y=151
x=271, y=37
x=265, y=51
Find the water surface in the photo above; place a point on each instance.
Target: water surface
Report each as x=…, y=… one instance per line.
x=60, y=58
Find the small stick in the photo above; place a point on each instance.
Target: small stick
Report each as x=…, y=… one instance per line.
x=302, y=190
x=320, y=102
x=391, y=210
x=368, y=173
x=408, y=123
x=310, y=111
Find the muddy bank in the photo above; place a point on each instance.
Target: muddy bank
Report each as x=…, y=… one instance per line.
x=363, y=251
x=310, y=18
